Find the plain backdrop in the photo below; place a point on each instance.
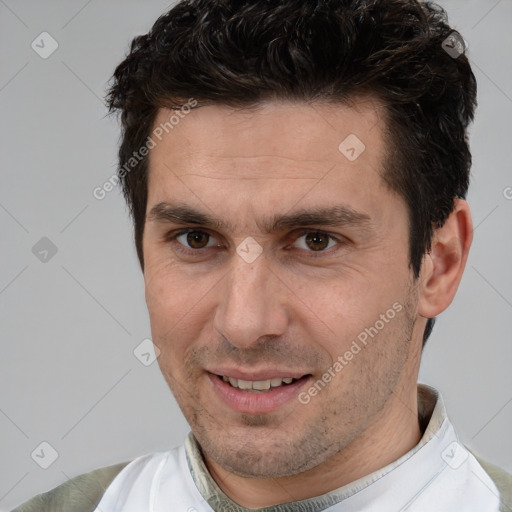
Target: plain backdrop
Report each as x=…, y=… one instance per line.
x=70, y=320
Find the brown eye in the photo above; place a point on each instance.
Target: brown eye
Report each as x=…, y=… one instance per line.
x=317, y=241
x=197, y=239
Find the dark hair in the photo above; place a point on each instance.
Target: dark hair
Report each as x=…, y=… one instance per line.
x=242, y=52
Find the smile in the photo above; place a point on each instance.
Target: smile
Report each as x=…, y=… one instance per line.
x=258, y=386
x=259, y=396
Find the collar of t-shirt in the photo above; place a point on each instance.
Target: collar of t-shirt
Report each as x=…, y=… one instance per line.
x=437, y=475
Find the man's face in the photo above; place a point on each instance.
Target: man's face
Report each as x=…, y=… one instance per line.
x=290, y=301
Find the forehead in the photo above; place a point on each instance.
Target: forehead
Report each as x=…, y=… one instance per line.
x=269, y=157
x=304, y=132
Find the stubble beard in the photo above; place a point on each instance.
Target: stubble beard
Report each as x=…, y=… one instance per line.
x=271, y=446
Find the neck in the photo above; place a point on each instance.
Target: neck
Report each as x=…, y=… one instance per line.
x=395, y=432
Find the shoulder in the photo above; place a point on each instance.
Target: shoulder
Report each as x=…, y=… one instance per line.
x=86, y=492
x=80, y=494
x=502, y=480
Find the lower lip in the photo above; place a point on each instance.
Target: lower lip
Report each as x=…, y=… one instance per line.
x=256, y=403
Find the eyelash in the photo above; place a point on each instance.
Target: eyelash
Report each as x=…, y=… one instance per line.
x=171, y=237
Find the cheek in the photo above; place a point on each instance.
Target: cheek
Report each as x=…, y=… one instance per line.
x=176, y=301
x=167, y=296
x=343, y=310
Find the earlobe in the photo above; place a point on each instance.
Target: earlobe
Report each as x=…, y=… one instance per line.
x=443, y=267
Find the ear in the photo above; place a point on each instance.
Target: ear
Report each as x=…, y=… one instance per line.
x=442, y=268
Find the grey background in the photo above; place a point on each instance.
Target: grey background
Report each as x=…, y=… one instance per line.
x=68, y=375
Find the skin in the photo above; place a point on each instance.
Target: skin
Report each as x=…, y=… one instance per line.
x=289, y=309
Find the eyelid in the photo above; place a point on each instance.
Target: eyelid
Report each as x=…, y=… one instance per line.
x=173, y=235
x=303, y=231
x=327, y=252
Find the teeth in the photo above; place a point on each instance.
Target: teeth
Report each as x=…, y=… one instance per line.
x=257, y=385
x=244, y=384
x=261, y=385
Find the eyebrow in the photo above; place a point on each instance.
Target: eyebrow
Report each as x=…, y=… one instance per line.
x=336, y=216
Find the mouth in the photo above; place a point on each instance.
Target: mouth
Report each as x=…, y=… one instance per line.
x=259, y=386
x=259, y=396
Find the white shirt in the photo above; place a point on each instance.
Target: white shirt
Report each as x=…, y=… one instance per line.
x=437, y=475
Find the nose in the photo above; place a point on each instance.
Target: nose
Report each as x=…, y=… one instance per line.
x=250, y=305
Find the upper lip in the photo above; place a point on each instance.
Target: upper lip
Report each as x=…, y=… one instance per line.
x=253, y=375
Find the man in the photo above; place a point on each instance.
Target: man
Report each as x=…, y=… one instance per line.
x=296, y=173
